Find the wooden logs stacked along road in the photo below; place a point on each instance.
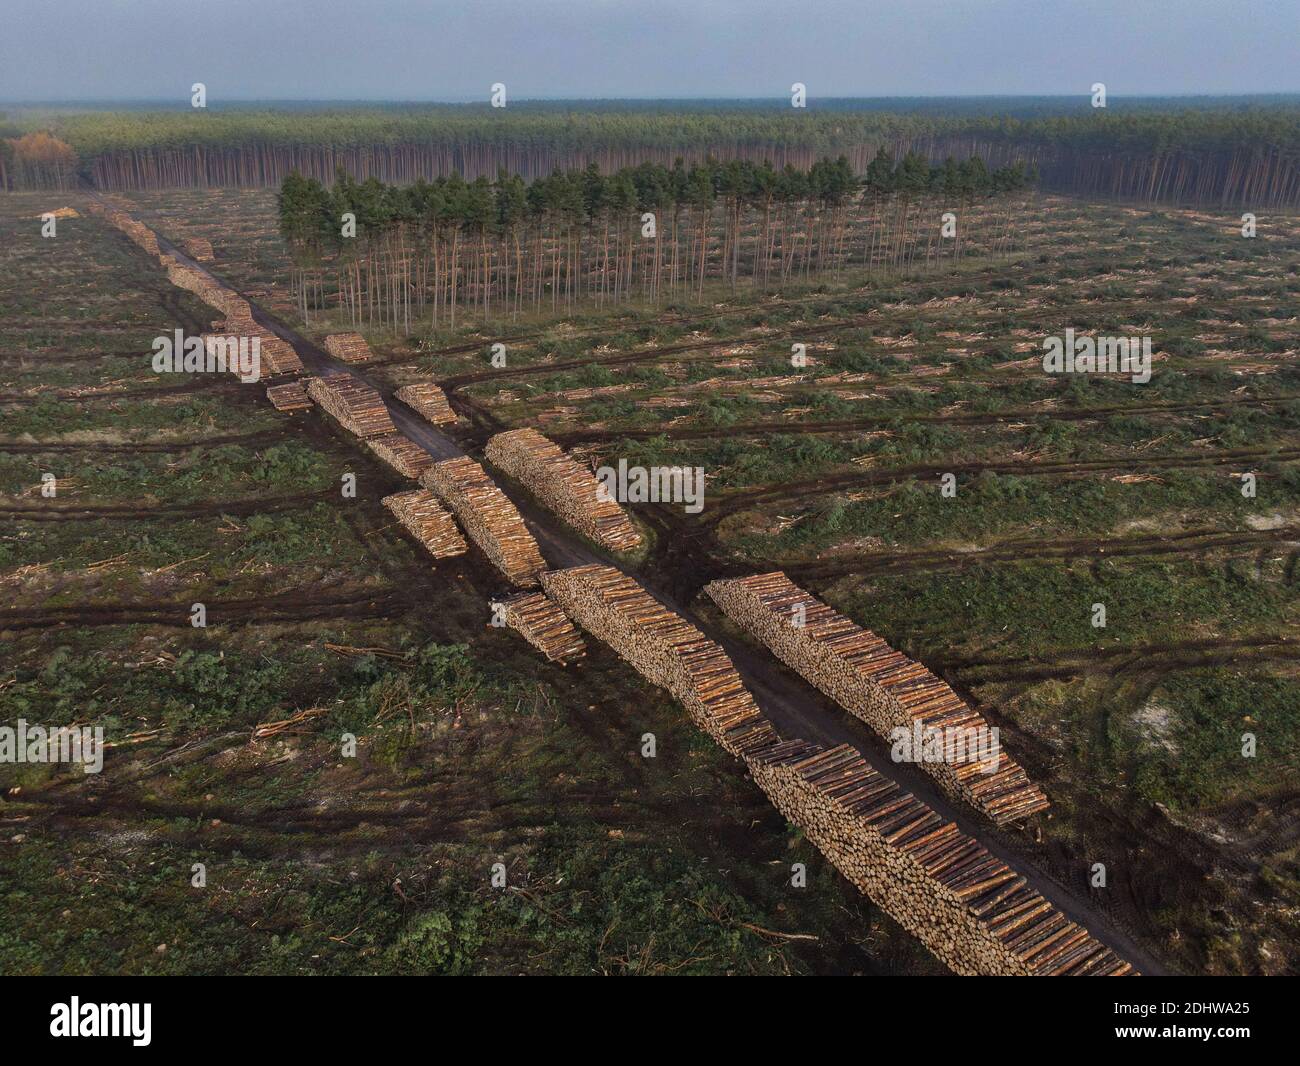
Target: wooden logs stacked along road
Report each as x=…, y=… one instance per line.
x=428, y=401
x=198, y=248
x=239, y=312
x=488, y=516
x=291, y=396
x=883, y=687
x=401, y=453
x=137, y=231
x=350, y=347
x=666, y=650
x=278, y=355
x=184, y=276
x=971, y=909
x=542, y=622
x=564, y=486
x=423, y=517
x=968, y=907
x=358, y=408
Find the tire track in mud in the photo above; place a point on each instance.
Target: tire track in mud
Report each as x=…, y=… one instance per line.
x=773, y=304
x=906, y=562
x=196, y=384
x=848, y=425
x=740, y=499
x=258, y=610
x=240, y=507
x=262, y=436
x=1164, y=656
x=35, y=360
x=457, y=382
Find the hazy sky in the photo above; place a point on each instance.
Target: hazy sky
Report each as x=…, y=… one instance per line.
x=403, y=49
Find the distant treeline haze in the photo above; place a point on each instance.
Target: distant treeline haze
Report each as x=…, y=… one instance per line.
x=1224, y=156
x=413, y=256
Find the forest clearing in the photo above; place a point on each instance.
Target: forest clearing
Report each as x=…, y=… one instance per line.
x=652, y=537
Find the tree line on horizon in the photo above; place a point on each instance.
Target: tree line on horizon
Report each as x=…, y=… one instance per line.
x=1214, y=156
x=403, y=256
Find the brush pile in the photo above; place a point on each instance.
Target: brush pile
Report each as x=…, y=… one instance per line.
x=358, y=408
x=969, y=908
x=421, y=515
x=564, y=486
x=883, y=687
x=401, y=453
x=350, y=347
x=666, y=650
x=490, y=519
x=542, y=622
x=428, y=401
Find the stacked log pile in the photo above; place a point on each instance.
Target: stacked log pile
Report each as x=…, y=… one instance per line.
x=358, y=408
x=566, y=487
x=291, y=396
x=542, y=622
x=490, y=519
x=199, y=249
x=428, y=401
x=422, y=516
x=883, y=687
x=350, y=347
x=666, y=650
x=238, y=311
x=278, y=355
x=401, y=453
x=137, y=231
x=184, y=276
x=969, y=908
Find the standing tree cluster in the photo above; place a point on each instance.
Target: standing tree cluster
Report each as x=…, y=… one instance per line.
x=426, y=252
x=37, y=160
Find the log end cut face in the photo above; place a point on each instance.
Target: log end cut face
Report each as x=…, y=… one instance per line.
x=424, y=518
x=428, y=401
x=542, y=622
x=349, y=347
x=489, y=517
